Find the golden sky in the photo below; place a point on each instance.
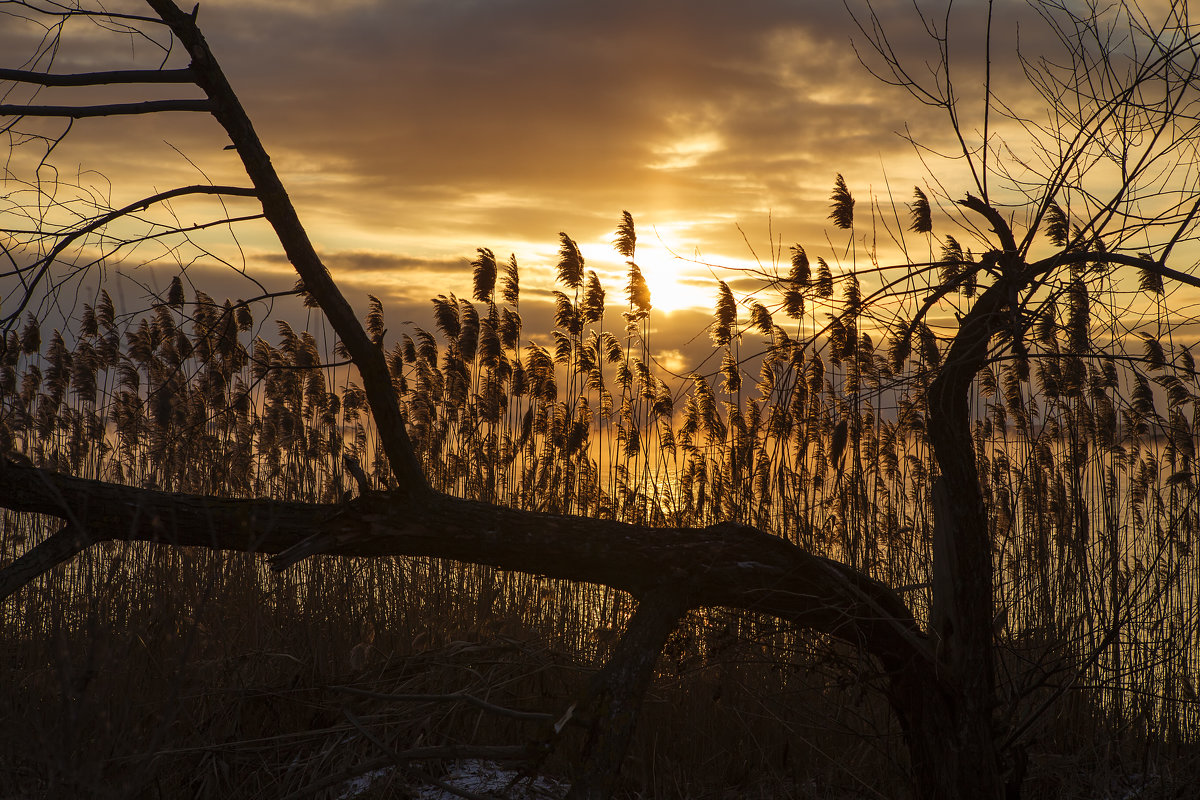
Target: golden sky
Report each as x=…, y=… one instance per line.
x=410, y=133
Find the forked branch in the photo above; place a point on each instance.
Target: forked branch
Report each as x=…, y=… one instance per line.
x=64, y=240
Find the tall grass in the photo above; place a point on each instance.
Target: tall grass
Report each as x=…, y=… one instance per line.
x=810, y=427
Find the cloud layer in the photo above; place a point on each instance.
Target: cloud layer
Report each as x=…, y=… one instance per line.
x=410, y=133
x=426, y=129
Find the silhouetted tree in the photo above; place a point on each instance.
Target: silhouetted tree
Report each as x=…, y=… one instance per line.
x=1109, y=181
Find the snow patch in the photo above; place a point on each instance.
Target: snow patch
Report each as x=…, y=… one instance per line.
x=471, y=775
x=356, y=787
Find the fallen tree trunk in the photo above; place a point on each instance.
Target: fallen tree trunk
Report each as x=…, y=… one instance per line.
x=676, y=569
x=726, y=565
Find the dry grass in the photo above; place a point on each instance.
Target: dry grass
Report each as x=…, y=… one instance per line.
x=214, y=689
x=156, y=672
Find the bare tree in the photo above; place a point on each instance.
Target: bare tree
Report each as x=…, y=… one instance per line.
x=1110, y=181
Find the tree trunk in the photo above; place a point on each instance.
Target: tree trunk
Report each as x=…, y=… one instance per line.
x=952, y=740
x=615, y=698
x=951, y=744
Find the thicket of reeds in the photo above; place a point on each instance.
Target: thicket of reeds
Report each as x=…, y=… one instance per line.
x=810, y=425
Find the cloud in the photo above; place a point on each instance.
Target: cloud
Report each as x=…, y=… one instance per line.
x=410, y=132
x=402, y=117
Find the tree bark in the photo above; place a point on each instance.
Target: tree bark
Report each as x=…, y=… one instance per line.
x=963, y=752
x=729, y=565
x=615, y=698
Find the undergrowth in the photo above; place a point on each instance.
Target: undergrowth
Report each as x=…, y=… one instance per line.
x=148, y=671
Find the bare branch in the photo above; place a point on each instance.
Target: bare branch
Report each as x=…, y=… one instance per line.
x=279, y=211
x=184, y=75
x=115, y=109
x=1091, y=256
x=721, y=565
x=64, y=241
x=57, y=548
x=616, y=692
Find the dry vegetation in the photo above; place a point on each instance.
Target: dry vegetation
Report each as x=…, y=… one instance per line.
x=145, y=670
x=139, y=669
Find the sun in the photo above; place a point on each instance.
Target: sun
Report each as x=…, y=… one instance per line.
x=675, y=283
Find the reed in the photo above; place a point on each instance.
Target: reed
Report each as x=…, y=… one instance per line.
x=1085, y=438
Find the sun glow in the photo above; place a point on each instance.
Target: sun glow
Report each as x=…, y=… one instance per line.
x=686, y=152
x=674, y=282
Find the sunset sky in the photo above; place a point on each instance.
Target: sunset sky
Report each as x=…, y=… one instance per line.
x=410, y=133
